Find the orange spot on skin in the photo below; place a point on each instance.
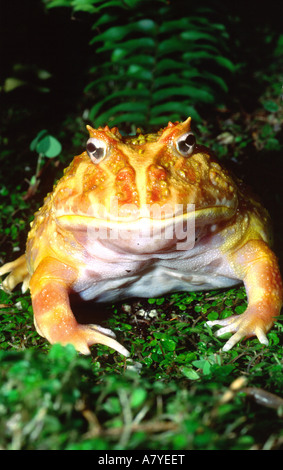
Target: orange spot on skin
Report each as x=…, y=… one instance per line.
x=157, y=177
x=186, y=172
x=126, y=187
x=126, y=174
x=92, y=177
x=155, y=195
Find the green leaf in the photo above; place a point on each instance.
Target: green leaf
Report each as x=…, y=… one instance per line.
x=168, y=46
x=57, y=351
x=131, y=45
x=84, y=5
x=171, y=79
x=224, y=62
x=138, y=397
x=46, y=144
x=170, y=65
x=168, y=344
x=185, y=78
x=217, y=79
x=172, y=107
x=189, y=373
x=204, y=365
x=130, y=3
x=12, y=83
x=141, y=94
x=117, y=33
x=138, y=72
x=190, y=92
x=112, y=405
x=194, y=35
x=144, y=60
x=49, y=146
x=270, y=106
x=132, y=106
x=213, y=315
x=104, y=19
x=35, y=141
x=174, y=25
x=198, y=55
x=135, y=118
x=272, y=144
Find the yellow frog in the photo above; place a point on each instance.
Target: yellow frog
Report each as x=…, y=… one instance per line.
x=141, y=216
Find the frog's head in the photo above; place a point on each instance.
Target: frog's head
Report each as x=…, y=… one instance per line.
x=129, y=182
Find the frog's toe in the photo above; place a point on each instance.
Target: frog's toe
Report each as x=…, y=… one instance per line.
x=18, y=272
x=86, y=336
x=242, y=326
x=95, y=334
x=104, y=331
x=240, y=335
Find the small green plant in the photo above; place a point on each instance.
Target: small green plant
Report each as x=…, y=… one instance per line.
x=46, y=146
x=79, y=406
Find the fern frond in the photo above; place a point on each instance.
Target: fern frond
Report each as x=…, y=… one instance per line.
x=153, y=63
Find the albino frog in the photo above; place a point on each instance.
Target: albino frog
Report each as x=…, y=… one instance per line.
x=141, y=216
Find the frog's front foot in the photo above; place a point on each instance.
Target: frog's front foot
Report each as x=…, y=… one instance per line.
x=243, y=326
x=53, y=317
x=81, y=336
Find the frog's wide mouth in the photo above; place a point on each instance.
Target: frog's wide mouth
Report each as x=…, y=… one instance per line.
x=205, y=216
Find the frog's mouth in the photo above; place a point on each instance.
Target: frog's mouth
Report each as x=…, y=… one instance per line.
x=133, y=223
x=144, y=234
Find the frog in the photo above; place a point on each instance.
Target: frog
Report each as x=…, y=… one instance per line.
x=141, y=216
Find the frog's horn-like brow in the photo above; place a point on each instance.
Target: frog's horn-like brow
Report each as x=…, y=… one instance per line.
x=187, y=122
x=90, y=129
x=174, y=130
x=185, y=125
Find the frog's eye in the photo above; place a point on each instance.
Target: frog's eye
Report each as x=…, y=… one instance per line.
x=185, y=144
x=96, y=149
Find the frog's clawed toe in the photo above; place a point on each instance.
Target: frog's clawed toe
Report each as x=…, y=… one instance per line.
x=243, y=326
x=88, y=335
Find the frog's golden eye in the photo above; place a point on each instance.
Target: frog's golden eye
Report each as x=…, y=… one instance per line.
x=185, y=144
x=96, y=149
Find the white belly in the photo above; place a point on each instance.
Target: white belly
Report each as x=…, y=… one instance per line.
x=122, y=276
x=153, y=283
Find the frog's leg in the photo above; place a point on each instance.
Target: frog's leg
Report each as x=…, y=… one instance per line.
x=18, y=273
x=260, y=272
x=50, y=287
